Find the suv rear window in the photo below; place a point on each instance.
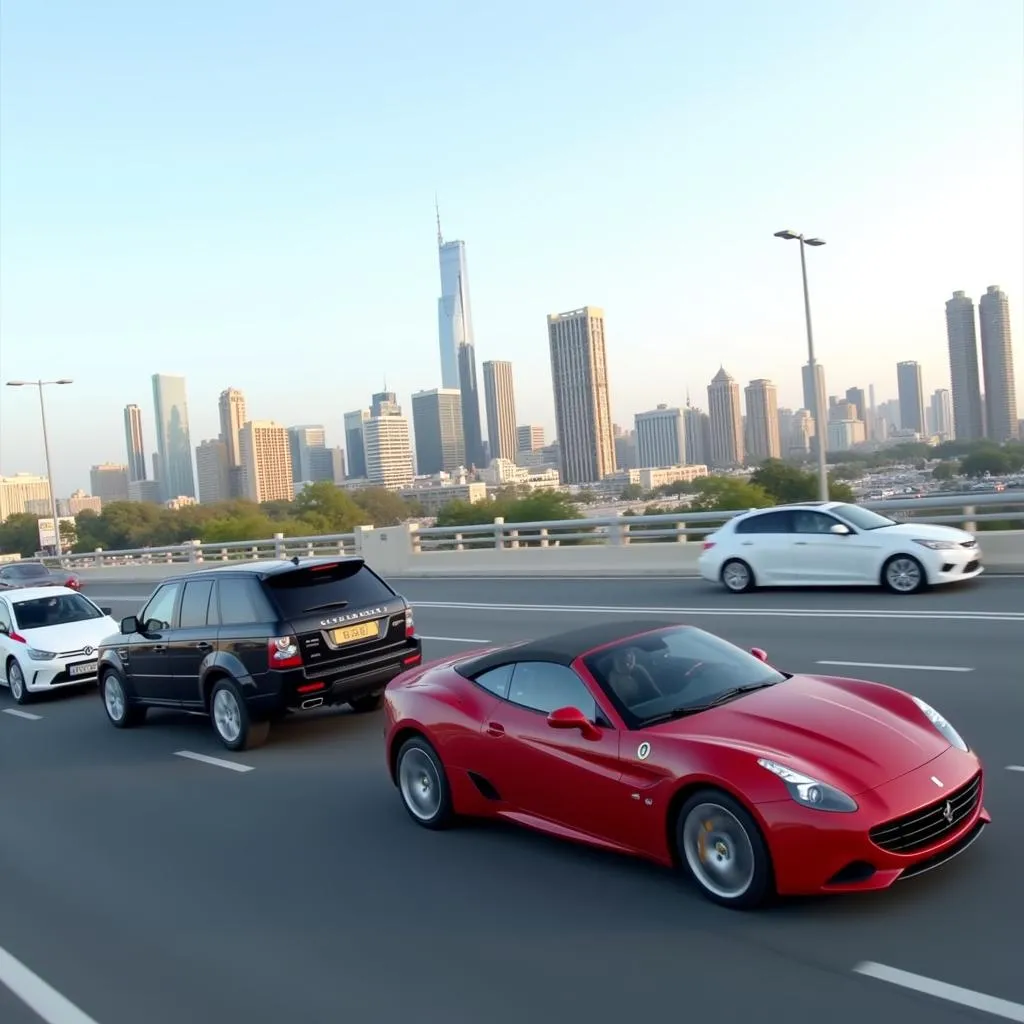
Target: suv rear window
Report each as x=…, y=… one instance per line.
x=326, y=587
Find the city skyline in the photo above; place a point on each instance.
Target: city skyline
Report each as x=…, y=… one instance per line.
x=258, y=250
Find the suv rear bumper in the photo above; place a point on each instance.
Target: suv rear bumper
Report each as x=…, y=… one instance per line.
x=340, y=686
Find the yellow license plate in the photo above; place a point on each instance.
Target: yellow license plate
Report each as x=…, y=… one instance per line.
x=348, y=635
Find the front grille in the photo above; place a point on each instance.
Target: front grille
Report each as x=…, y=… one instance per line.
x=925, y=828
x=971, y=566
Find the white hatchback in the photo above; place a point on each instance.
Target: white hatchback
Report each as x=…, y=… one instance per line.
x=49, y=637
x=833, y=544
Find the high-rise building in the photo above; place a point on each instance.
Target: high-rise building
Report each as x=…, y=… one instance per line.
x=762, y=432
x=454, y=319
x=354, y=423
x=384, y=403
x=968, y=422
x=266, y=461
x=388, y=448
x=697, y=430
x=529, y=437
x=660, y=438
x=231, y=408
x=855, y=396
x=213, y=471
x=910, y=389
x=1001, y=423
x=18, y=491
x=437, y=424
x=726, y=421
x=109, y=482
x=500, y=400
x=579, y=377
x=814, y=385
x=471, y=433
x=941, y=415
x=797, y=441
x=173, y=443
x=134, y=444
x=312, y=462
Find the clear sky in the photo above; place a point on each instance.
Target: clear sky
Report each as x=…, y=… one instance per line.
x=242, y=191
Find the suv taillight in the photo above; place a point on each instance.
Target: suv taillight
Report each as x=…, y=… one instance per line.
x=410, y=627
x=283, y=652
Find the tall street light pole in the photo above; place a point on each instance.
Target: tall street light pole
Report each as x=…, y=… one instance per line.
x=820, y=427
x=40, y=384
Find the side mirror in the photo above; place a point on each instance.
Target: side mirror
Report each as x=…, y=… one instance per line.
x=573, y=718
x=106, y=611
x=129, y=625
x=840, y=530
x=759, y=654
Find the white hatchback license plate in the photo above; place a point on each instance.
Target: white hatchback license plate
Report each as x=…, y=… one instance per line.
x=86, y=668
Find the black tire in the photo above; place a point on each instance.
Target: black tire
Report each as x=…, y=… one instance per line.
x=230, y=717
x=16, y=683
x=418, y=765
x=904, y=574
x=364, y=705
x=717, y=806
x=736, y=568
x=121, y=712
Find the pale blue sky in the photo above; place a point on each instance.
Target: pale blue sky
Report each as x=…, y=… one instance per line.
x=242, y=191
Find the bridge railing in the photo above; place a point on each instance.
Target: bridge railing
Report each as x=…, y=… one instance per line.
x=966, y=510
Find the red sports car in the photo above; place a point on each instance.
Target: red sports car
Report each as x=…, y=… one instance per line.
x=669, y=743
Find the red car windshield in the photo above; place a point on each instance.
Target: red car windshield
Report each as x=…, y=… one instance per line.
x=675, y=671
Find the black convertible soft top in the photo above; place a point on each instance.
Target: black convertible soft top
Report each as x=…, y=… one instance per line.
x=563, y=648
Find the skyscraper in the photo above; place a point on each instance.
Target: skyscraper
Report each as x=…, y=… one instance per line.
x=660, y=438
x=855, y=396
x=910, y=389
x=500, y=401
x=762, y=438
x=942, y=415
x=1001, y=423
x=134, y=443
x=454, y=319
x=173, y=443
x=579, y=378
x=697, y=430
x=266, y=461
x=437, y=424
x=231, y=407
x=471, y=433
x=726, y=420
x=354, y=422
x=312, y=461
x=814, y=385
x=968, y=423
x=212, y=471
x=387, y=445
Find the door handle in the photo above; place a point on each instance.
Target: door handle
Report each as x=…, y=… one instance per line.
x=494, y=729
x=159, y=647
x=204, y=646
x=746, y=543
x=800, y=543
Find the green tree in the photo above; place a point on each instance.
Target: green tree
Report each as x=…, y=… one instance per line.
x=381, y=507
x=328, y=509
x=723, y=494
x=946, y=470
x=787, y=483
x=19, y=535
x=986, y=460
x=631, y=492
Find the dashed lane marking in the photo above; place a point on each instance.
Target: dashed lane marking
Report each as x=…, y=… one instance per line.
x=217, y=762
x=909, y=668
x=941, y=990
x=15, y=713
x=37, y=995
x=1015, y=767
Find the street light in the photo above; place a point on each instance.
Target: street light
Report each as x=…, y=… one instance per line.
x=819, y=398
x=46, y=449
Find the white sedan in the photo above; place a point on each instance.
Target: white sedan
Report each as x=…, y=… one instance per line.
x=833, y=544
x=48, y=639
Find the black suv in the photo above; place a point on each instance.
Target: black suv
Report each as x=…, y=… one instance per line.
x=247, y=643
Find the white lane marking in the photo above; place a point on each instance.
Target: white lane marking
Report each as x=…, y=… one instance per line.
x=909, y=668
x=43, y=999
x=1015, y=767
x=217, y=762
x=788, y=613
x=454, y=639
x=22, y=714
x=940, y=990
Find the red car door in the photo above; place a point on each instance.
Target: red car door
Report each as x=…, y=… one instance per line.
x=560, y=775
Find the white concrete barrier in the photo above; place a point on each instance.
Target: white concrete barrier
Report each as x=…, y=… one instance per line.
x=392, y=552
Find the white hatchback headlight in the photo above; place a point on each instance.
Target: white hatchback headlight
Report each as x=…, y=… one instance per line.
x=941, y=725
x=37, y=655
x=938, y=545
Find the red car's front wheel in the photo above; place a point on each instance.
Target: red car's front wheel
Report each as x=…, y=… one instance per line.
x=721, y=846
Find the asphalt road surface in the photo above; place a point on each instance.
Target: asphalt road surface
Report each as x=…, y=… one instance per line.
x=138, y=886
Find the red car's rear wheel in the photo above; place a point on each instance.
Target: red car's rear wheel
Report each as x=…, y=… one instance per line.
x=721, y=846
x=423, y=784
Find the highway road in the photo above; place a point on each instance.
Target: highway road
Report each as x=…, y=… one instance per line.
x=138, y=886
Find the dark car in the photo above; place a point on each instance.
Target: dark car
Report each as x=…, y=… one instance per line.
x=14, y=575
x=247, y=643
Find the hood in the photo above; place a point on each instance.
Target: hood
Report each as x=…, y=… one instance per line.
x=71, y=636
x=927, y=531
x=824, y=729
